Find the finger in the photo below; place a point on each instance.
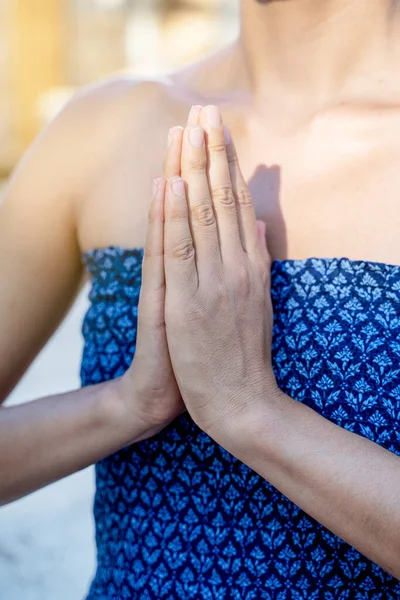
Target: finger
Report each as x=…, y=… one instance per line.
x=262, y=240
x=244, y=202
x=172, y=161
x=201, y=213
x=220, y=184
x=179, y=252
x=194, y=116
x=153, y=279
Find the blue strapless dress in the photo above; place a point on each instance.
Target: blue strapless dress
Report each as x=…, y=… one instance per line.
x=177, y=517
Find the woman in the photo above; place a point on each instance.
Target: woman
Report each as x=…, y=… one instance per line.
x=310, y=93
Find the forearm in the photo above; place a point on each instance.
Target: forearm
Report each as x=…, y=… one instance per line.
x=47, y=439
x=344, y=481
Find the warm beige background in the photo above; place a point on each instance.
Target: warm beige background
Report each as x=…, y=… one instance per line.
x=47, y=49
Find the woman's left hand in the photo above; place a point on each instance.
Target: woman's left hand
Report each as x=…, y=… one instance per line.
x=218, y=310
x=218, y=323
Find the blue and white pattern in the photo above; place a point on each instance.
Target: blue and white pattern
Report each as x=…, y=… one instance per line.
x=177, y=517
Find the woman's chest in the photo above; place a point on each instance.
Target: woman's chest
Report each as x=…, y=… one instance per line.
x=328, y=189
x=327, y=193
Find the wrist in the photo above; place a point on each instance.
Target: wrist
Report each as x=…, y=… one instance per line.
x=247, y=415
x=263, y=437
x=113, y=408
x=141, y=414
x=120, y=409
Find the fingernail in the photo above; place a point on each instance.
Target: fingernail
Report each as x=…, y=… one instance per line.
x=155, y=187
x=178, y=187
x=193, y=113
x=227, y=135
x=196, y=137
x=173, y=132
x=213, y=116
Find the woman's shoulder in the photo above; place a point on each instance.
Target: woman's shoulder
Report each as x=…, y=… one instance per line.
x=119, y=134
x=103, y=109
x=90, y=128
x=110, y=101
x=107, y=144
x=99, y=115
x=120, y=128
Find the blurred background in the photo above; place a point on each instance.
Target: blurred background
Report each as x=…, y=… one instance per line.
x=48, y=49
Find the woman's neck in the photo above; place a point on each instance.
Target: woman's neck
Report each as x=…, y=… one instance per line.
x=317, y=49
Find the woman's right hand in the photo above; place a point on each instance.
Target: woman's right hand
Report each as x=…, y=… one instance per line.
x=148, y=389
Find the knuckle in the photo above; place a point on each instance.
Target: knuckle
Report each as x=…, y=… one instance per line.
x=197, y=309
x=147, y=251
x=217, y=147
x=203, y=214
x=224, y=196
x=244, y=198
x=176, y=213
x=220, y=291
x=242, y=278
x=151, y=251
x=231, y=155
x=197, y=163
x=213, y=297
x=183, y=250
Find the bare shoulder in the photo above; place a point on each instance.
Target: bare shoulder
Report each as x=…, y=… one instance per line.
x=95, y=162
x=108, y=104
x=126, y=124
x=86, y=130
x=102, y=118
x=101, y=153
x=121, y=128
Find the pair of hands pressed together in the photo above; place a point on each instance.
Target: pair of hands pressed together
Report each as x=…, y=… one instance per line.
x=205, y=315
x=204, y=344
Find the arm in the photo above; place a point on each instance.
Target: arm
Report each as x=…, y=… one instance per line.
x=218, y=308
x=40, y=273
x=344, y=481
x=47, y=439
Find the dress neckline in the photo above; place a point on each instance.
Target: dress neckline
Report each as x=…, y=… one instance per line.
x=104, y=251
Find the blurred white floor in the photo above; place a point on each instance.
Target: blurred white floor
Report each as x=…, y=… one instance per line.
x=46, y=540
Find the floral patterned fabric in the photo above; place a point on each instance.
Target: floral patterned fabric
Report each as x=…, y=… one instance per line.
x=177, y=517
